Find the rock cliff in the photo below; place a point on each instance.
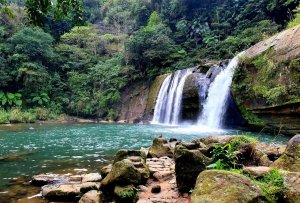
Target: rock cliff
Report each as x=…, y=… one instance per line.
x=266, y=84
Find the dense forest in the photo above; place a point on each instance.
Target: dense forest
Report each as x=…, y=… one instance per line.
x=76, y=57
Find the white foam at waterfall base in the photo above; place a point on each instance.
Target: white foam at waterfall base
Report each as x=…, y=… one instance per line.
x=215, y=104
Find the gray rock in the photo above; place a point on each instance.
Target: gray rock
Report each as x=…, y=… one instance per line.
x=92, y=196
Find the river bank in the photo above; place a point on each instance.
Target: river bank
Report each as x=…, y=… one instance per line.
x=171, y=170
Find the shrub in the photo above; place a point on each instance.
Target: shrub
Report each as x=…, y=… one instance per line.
x=16, y=116
x=3, y=117
x=42, y=114
x=223, y=157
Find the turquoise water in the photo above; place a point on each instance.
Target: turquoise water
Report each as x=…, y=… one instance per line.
x=26, y=150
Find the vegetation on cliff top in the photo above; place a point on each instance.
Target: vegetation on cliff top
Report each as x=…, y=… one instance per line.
x=83, y=69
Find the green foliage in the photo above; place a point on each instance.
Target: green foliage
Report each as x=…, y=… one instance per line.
x=250, y=117
x=10, y=99
x=42, y=114
x=264, y=79
x=37, y=10
x=222, y=157
x=151, y=46
x=40, y=99
x=84, y=69
x=4, y=117
x=16, y=115
x=128, y=192
x=272, y=185
x=296, y=20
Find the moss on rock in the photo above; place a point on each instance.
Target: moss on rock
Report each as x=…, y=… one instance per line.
x=123, y=172
x=223, y=186
x=160, y=148
x=290, y=160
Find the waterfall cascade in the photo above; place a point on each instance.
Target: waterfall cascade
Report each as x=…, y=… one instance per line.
x=214, y=107
x=213, y=91
x=168, y=103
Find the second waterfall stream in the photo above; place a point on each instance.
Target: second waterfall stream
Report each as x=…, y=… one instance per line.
x=169, y=100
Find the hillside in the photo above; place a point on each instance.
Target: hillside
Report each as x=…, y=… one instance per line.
x=80, y=60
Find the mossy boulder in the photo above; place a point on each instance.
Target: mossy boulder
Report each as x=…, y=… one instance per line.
x=290, y=160
x=125, y=194
x=159, y=148
x=105, y=170
x=214, y=140
x=223, y=186
x=188, y=165
x=124, y=153
x=123, y=173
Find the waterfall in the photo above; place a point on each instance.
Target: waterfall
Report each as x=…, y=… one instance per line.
x=214, y=107
x=168, y=104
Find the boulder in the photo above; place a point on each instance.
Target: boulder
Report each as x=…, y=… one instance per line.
x=257, y=171
x=92, y=196
x=188, y=165
x=91, y=177
x=265, y=161
x=125, y=194
x=160, y=148
x=105, y=170
x=48, y=178
x=123, y=173
x=213, y=140
x=124, y=153
x=68, y=191
x=292, y=192
x=290, y=160
x=223, y=186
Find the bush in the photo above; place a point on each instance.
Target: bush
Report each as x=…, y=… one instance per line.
x=222, y=157
x=42, y=114
x=4, y=117
x=16, y=116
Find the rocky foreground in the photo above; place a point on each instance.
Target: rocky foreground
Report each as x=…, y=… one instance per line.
x=180, y=172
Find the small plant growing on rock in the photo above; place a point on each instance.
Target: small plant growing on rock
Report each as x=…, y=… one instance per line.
x=223, y=157
x=128, y=192
x=272, y=185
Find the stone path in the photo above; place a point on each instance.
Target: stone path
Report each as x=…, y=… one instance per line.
x=162, y=174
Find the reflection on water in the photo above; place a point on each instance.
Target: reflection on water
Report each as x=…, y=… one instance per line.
x=31, y=149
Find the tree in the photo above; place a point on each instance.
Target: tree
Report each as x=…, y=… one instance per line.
x=150, y=46
x=30, y=57
x=37, y=10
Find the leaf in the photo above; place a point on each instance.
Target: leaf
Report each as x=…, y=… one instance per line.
x=1, y=94
x=45, y=100
x=4, y=100
x=10, y=96
x=18, y=95
x=18, y=102
x=211, y=166
x=40, y=102
x=36, y=99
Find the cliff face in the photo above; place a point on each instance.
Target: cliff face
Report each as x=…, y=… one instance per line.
x=138, y=101
x=266, y=84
